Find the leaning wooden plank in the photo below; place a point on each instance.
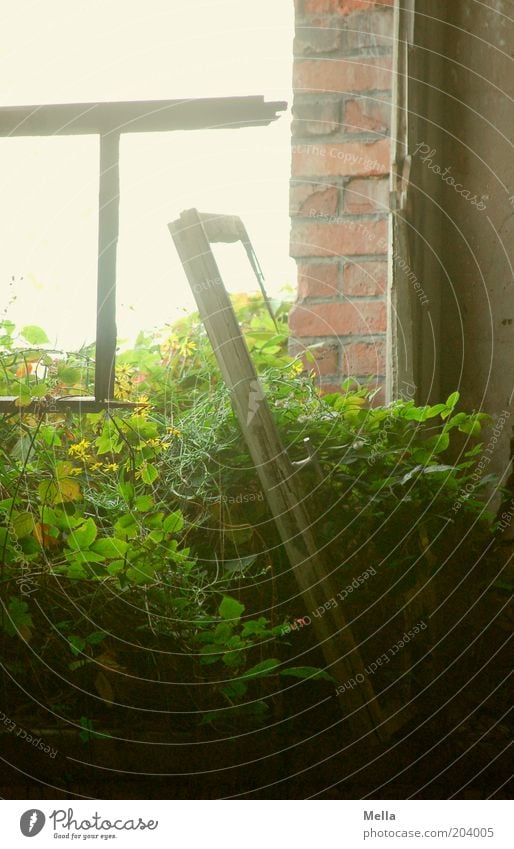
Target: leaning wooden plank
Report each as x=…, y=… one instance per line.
x=279, y=479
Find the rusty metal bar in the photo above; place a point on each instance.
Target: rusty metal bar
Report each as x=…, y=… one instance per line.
x=80, y=404
x=108, y=228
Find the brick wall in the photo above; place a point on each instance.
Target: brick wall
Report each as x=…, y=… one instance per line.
x=339, y=186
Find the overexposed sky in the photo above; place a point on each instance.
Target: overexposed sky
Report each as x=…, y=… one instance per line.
x=58, y=51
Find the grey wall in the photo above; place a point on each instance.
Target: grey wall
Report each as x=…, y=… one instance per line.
x=461, y=109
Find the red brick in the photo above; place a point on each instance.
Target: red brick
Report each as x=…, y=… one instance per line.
x=317, y=279
x=311, y=199
x=362, y=196
x=366, y=278
x=368, y=30
x=365, y=115
x=346, y=318
x=326, y=359
x=348, y=238
x=316, y=38
x=348, y=159
x=364, y=358
x=341, y=7
x=318, y=118
x=342, y=75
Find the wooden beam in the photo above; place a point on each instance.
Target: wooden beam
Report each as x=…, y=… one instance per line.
x=143, y=116
x=278, y=478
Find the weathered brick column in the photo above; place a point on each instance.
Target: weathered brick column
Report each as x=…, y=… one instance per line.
x=339, y=186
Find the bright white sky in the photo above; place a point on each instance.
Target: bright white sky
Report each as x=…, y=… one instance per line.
x=58, y=51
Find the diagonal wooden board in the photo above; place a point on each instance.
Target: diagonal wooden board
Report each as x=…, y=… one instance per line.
x=279, y=480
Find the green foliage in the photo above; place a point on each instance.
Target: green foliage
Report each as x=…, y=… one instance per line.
x=150, y=523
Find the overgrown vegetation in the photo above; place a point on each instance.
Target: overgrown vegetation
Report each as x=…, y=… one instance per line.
x=140, y=565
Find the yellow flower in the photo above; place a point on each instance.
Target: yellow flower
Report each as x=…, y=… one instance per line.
x=173, y=431
x=296, y=369
x=75, y=471
x=187, y=347
x=79, y=450
x=145, y=407
x=96, y=466
x=123, y=383
x=111, y=467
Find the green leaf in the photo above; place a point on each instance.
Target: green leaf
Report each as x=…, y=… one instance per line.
x=126, y=527
x=39, y=390
x=233, y=659
x=83, y=556
x=143, y=574
x=255, y=627
x=230, y=608
x=23, y=524
x=307, y=672
x=77, y=644
x=453, y=400
x=83, y=536
x=173, y=523
x=154, y=521
x=24, y=397
x=143, y=503
x=95, y=637
x=76, y=572
x=156, y=536
x=234, y=689
x=472, y=427
x=19, y=620
x=115, y=567
x=111, y=547
x=34, y=335
x=260, y=670
x=416, y=414
x=126, y=490
x=436, y=410
x=149, y=473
